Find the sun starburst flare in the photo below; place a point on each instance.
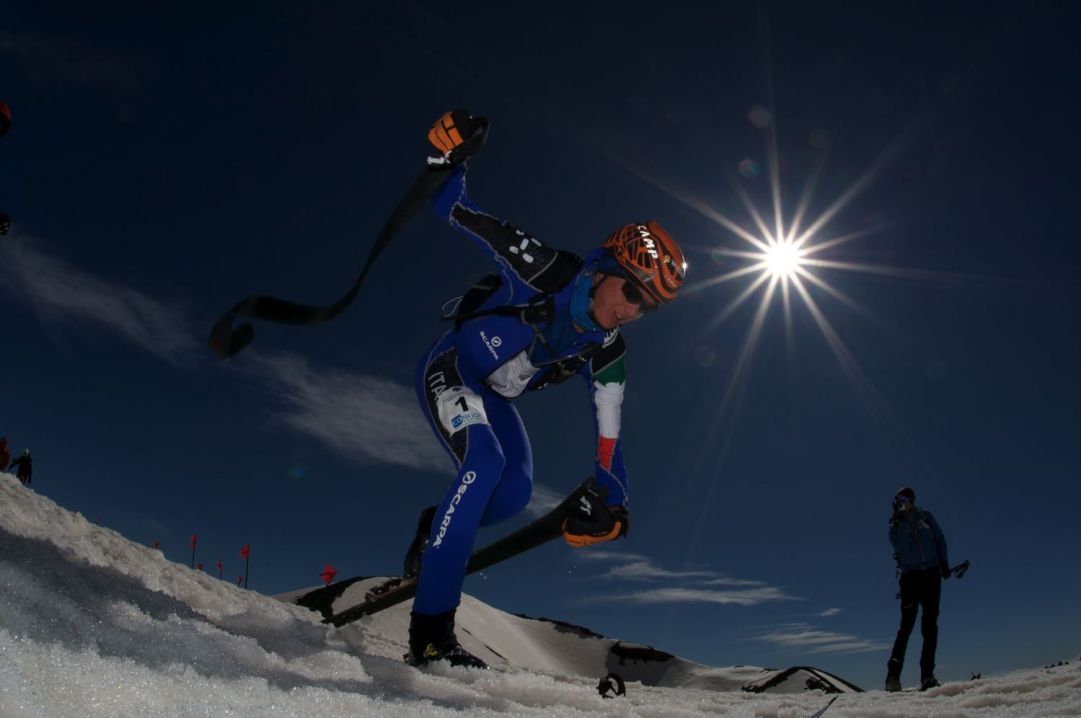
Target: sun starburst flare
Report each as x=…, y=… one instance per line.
x=783, y=259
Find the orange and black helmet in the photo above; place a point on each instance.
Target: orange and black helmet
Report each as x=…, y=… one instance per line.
x=650, y=257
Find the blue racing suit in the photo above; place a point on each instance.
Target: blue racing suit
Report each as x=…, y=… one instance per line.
x=467, y=380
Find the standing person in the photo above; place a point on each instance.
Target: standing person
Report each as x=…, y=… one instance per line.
x=547, y=315
x=5, y=454
x=920, y=550
x=23, y=467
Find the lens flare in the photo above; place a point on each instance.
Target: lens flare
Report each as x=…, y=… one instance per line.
x=779, y=257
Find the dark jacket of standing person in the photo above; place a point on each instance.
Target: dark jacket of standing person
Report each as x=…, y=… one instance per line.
x=918, y=543
x=23, y=467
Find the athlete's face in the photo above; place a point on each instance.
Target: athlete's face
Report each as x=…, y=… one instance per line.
x=615, y=302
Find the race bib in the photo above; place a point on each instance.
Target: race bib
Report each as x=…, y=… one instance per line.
x=459, y=407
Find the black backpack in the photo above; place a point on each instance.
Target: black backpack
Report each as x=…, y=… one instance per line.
x=539, y=309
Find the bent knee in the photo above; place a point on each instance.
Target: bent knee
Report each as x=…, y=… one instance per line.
x=510, y=498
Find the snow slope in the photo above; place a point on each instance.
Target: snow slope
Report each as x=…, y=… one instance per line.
x=94, y=625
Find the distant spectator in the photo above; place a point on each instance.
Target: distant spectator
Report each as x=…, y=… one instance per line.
x=23, y=467
x=5, y=455
x=920, y=550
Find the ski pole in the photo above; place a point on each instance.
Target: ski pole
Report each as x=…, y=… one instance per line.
x=227, y=341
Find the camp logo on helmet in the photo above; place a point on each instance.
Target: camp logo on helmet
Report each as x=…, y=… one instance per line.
x=467, y=479
x=647, y=239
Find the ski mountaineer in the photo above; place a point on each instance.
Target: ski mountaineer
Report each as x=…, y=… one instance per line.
x=546, y=316
x=920, y=551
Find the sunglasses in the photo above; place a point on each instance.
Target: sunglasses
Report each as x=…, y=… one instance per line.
x=634, y=295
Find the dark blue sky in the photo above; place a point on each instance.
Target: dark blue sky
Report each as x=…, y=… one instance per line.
x=164, y=164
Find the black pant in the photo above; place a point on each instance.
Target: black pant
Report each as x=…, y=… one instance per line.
x=918, y=588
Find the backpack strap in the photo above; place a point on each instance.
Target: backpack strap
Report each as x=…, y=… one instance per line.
x=540, y=308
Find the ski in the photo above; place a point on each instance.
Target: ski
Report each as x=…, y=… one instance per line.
x=819, y=714
x=226, y=340
x=393, y=591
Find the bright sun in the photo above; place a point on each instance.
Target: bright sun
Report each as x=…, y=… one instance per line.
x=783, y=259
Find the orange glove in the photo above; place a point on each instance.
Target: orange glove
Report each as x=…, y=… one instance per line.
x=593, y=522
x=457, y=135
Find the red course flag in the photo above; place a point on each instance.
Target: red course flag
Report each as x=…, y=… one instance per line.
x=239, y=580
x=199, y=565
x=245, y=553
x=194, y=540
x=328, y=574
x=219, y=568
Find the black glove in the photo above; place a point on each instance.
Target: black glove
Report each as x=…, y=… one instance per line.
x=945, y=568
x=591, y=521
x=457, y=135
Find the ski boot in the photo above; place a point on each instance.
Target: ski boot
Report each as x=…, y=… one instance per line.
x=411, y=565
x=929, y=682
x=431, y=639
x=893, y=675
